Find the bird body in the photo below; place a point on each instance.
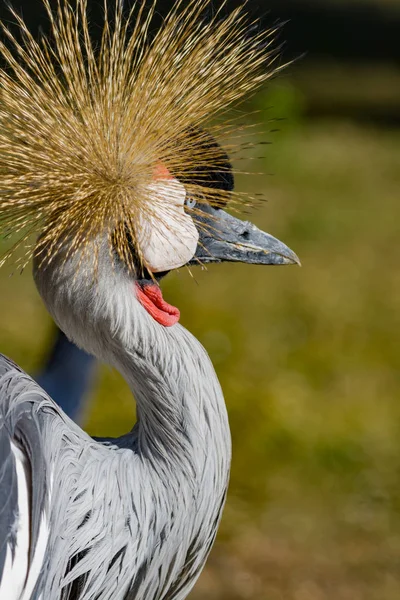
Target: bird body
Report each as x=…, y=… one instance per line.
x=117, y=202
x=153, y=541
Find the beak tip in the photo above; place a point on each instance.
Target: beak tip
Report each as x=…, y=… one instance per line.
x=296, y=260
x=290, y=257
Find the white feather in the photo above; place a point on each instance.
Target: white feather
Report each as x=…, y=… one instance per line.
x=18, y=581
x=38, y=558
x=168, y=236
x=15, y=572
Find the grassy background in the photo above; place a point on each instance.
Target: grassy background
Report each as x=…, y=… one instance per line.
x=309, y=362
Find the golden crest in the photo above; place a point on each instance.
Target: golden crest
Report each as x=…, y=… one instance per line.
x=84, y=129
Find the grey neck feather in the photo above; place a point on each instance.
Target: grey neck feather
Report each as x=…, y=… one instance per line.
x=173, y=484
x=180, y=404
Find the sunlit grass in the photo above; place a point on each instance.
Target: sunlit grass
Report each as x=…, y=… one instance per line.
x=310, y=365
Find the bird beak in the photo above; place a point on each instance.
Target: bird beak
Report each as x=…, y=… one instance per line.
x=226, y=238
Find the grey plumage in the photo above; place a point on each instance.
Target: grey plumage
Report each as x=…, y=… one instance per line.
x=104, y=156
x=133, y=517
x=21, y=412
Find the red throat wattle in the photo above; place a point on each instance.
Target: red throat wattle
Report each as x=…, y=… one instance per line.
x=150, y=297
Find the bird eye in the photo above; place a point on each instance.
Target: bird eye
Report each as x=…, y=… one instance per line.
x=190, y=202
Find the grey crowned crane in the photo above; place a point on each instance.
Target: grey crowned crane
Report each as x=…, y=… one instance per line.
x=105, y=156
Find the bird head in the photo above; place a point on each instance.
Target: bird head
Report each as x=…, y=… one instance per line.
x=196, y=232
x=106, y=153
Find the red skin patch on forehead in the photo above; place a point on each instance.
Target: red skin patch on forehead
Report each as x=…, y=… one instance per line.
x=161, y=172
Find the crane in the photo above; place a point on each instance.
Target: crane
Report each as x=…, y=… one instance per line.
x=105, y=156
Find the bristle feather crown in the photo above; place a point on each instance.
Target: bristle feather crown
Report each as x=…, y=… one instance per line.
x=83, y=129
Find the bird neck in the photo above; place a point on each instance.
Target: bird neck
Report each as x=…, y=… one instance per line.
x=180, y=406
x=181, y=410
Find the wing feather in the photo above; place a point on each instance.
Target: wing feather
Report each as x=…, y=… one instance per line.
x=24, y=483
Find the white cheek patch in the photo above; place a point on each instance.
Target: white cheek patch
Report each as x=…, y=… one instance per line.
x=166, y=234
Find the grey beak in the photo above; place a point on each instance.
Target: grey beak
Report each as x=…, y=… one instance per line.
x=226, y=238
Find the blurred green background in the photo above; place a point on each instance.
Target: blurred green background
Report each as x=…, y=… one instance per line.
x=308, y=357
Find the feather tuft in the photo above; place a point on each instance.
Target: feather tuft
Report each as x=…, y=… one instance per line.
x=83, y=129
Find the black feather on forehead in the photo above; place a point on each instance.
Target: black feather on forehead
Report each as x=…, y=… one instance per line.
x=213, y=174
